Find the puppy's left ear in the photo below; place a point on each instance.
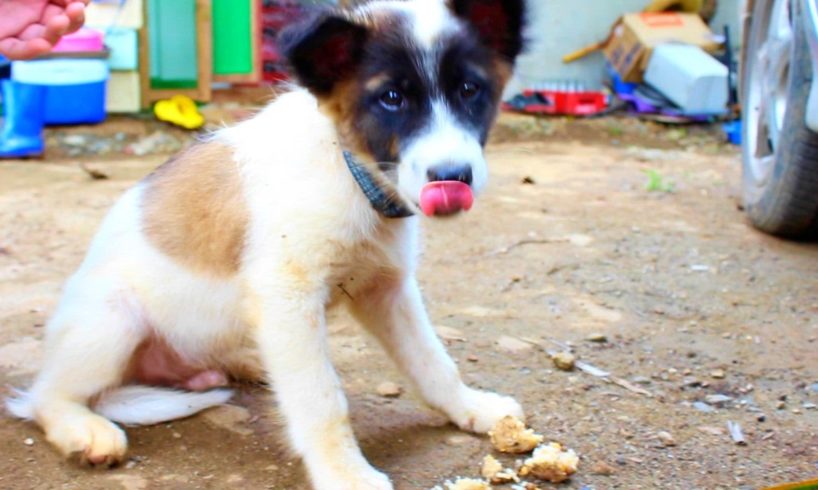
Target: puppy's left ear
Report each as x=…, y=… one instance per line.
x=499, y=23
x=323, y=50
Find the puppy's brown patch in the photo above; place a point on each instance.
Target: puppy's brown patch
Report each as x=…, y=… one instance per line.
x=194, y=210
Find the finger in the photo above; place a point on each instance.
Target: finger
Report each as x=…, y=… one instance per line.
x=76, y=15
x=15, y=49
x=33, y=31
x=55, y=28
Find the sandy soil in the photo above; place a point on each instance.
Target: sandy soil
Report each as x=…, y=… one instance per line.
x=692, y=303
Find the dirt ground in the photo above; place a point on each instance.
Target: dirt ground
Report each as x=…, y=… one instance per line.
x=567, y=243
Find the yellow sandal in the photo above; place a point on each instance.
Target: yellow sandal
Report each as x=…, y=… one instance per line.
x=179, y=110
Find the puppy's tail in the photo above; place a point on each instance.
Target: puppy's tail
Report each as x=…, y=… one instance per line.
x=136, y=405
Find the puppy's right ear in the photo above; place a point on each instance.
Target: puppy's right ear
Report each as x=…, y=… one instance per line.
x=323, y=50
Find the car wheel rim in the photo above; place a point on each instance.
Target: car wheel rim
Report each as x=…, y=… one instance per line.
x=767, y=91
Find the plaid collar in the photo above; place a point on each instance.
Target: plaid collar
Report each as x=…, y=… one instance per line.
x=382, y=202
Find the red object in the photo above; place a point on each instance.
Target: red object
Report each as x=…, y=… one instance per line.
x=275, y=16
x=576, y=103
x=445, y=197
x=658, y=20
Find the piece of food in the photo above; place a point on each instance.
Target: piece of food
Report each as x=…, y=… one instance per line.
x=564, y=361
x=550, y=463
x=389, y=390
x=466, y=484
x=511, y=436
x=493, y=471
x=525, y=486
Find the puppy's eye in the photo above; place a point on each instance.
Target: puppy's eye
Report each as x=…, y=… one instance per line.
x=469, y=90
x=392, y=100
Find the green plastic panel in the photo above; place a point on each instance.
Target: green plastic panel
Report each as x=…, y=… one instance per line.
x=232, y=37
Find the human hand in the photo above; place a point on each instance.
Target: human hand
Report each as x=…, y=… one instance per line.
x=29, y=28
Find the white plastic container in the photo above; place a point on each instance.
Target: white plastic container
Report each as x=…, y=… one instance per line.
x=75, y=87
x=123, y=44
x=689, y=77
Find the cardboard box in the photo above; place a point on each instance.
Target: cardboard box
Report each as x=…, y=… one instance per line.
x=636, y=35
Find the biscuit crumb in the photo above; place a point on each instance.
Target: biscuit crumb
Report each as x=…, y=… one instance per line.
x=564, y=361
x=551, y=463
x=511, y=436
x=465, y=484
x=493, y=471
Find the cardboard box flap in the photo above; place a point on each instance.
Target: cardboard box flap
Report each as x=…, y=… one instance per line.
x=657, y=28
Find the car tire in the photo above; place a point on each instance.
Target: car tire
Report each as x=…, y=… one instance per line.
x=783, y=198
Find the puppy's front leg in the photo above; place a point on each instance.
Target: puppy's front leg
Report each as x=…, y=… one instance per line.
x=291, y=333
x=394, y=313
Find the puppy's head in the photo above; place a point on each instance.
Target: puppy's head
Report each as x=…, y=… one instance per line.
x=413, y=87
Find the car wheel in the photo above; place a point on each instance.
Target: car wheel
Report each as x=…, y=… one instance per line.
x=779, y=152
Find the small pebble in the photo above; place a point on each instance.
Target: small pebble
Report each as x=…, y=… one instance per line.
x=389, y=390
x=641, y=380
x=717, y=373
x=718, y=399
x=781, y=405
x=666, y=438
x=597, y=337
x=603, y=468
x=691, y=381
x=513, y=345
x=809, y=406
x=761, y=418
x=472, y=358
x=703, y=407
x=28, y=441
x=459, y=440
x=564, y=361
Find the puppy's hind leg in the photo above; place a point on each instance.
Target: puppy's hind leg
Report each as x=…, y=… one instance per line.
x=88, y=347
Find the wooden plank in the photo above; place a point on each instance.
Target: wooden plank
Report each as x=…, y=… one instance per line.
x=204, y=35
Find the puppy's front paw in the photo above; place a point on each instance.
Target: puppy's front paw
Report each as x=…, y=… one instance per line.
x=93, y=439
x=365, y=479
x=484, y=409
x=375, y=480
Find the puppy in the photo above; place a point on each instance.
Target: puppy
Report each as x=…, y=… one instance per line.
x=223, y=262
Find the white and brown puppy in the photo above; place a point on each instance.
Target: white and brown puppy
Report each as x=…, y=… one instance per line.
x=222, y=263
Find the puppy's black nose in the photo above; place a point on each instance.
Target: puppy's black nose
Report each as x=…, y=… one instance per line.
x=450, y=171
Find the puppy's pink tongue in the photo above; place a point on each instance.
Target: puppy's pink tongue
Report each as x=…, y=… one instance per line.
x=445, y=197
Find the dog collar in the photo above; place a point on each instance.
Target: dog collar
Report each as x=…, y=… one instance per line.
x=381, y=201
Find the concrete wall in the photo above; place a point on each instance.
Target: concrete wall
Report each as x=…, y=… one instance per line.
x=558, y=27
